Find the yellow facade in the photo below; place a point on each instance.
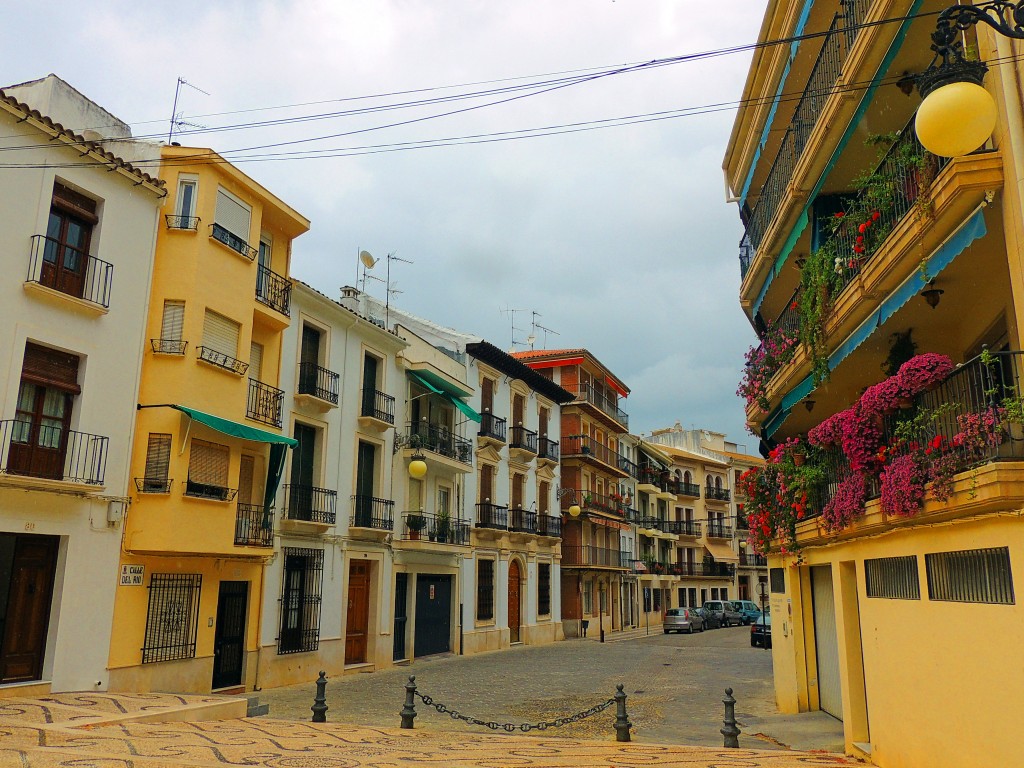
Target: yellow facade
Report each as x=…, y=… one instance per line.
x=927, y=677
x=197, y=519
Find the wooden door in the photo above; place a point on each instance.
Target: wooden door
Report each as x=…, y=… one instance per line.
x=26, y=588
x=358, y=620
x=39, y=439
x=66, y=253
x=229, y=636
x=370, y=386
x=366, y=473
x=309, y=361
x=514, y=602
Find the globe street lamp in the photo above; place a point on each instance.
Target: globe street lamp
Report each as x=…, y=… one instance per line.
x=958, y=115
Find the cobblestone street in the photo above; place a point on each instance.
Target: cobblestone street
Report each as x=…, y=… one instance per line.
x=675, y=685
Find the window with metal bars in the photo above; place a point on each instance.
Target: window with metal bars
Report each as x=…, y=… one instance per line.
x=300, y=600
x=892, y=577
x=971, y=576
x=543, y=589
x=777, y=578
x=172, y=618
x=208, y=471
x=158, y=462
x=484, y=590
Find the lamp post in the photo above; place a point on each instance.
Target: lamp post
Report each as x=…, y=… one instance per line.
x=958, y=115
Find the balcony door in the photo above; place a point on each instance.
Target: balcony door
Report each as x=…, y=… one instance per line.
x=369, y=385
x=68, y=232
x=309, y=359
x=300, y=502
x=366, y=459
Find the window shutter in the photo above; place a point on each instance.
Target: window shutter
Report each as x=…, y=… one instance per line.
x=208, y=463
x=256, y=361
x=245, y=477
x=50, y=367
x=158, y=457
x=74, y=203
x=220, y=334
x=233, y=215
x=173, y=321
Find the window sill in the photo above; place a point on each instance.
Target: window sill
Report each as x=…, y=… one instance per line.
x=221, y=368
x=65, y=299
x=43, y=484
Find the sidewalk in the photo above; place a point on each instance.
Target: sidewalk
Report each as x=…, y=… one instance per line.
x=71, y=729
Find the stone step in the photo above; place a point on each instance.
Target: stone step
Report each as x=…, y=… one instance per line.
x=253, y=707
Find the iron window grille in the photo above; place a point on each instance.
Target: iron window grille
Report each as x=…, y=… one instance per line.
x=484, y=590
x=892, y=577
x=971, y=576
x=300, y=600
x=543, y=589
x=172, y=618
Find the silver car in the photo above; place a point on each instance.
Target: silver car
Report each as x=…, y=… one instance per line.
x=683, y=620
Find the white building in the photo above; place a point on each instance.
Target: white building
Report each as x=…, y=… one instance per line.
x=79, y=229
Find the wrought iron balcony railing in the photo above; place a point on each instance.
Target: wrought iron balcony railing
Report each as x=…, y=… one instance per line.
x=587, y=555
x=221, y=360
x=753, y=561
x=70, y=271
x=549, y=525
x=318, y=382
x=522, y=521
x=200, y=489
x=254, y=526
x=523, y=439
x=586, y=393
x=438, y=528
x=232, y=241
x=306, y=503
x=594, y=501
x=719, y=531
x=683, y=527
x=371, y=512
x=717, y=494
x=174, y=221
x=32, y=449
x=439, y=439
x=168, y=346
x=582, y=445
x=688, y=489
x=547, y=449
x=629, y=467
x=492, y=426
x=378, y=405
x=153, y=484
x=491, y=516
x=264, y=403
x=273, y=289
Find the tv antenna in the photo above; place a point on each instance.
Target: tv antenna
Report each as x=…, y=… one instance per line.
x=390, y=290
x=512, y=321
x=538, y=327
x=176, y=116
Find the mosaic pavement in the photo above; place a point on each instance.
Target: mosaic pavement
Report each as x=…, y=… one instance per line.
x=70, y=730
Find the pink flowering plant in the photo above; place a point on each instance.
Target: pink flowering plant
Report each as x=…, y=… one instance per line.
x=777, y=348
x=847, y=503
x=903, y=482
x=924, y=372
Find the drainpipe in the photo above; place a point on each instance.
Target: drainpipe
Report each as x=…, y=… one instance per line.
x=1009, y=79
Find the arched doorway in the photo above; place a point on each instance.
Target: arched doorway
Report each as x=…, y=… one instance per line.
x=514, y=579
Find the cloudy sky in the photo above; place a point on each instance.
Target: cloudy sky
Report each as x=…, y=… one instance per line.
x=619, y=238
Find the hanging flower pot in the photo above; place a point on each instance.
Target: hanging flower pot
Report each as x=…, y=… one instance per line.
x=905, y=403
x=799, y=458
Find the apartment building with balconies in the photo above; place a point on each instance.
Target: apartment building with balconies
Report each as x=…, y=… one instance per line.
x=595, y=524
x=74, y=218
x=210, y=445
x=886, y=289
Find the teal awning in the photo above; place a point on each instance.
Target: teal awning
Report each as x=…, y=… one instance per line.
x=439, y=386
x=235, y=429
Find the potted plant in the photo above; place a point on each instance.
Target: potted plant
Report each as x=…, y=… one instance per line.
x=442, y=526
x=415, y=523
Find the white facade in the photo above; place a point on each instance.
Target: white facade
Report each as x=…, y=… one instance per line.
x=74, y=322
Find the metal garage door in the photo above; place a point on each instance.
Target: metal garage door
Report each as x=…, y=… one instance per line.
x=826, y=641
x=433, y=614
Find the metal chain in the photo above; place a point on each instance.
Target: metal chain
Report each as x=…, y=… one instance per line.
x=512, y=727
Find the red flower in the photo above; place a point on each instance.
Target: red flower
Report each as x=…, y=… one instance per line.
x=858, y=249
x=794, y=305
x=875, y=216
x=839, y=214
x=860, y=238
x=862, y=228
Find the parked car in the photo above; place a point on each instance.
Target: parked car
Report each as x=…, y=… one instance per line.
x=728, y=614
x=761, y=632
x=749, y=611
x=683, y=620
x=711, y=620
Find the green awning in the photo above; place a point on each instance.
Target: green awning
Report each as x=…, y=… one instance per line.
x=439, y=386
x=233, y=428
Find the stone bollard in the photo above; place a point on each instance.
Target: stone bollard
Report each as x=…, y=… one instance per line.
x=729, y=729
x=622, y=724
x=319, y=707
x=409, y=710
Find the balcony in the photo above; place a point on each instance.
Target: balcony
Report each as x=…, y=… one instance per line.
x=547, y=450
x=306, y=504
x=651, y=479
x=438, y=440
x=718, y=570
x=492, y=428
x=522, y=521
x=199, y=489
x=691, y=490
x=168, y=346
x=254, y=526
x=377, y=410
x=589, y=556
x=372, y=513
x=648, y=565
x=753, y=561
x=594, y=501
x=605, y=405
x=491, y=516
x=717, y=494
x=318, y=383
x=71, y=272
x=683, y=527
x=232, y=241
x=439, y=529
x=629, y=467
x=273, y=290
x=175, y=221
x=153, y=484
x=549, y=525
x=264, y=403
x=719, y=531
x=220, y=360
x=591, y=450
x=522, y=444
x=32, y=450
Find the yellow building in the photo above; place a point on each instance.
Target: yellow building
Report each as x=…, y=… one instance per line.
x=208, y=450
x=860, y=250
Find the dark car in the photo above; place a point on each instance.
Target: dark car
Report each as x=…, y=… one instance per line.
x=761, y=632
x=727, y=614
x=711, y=620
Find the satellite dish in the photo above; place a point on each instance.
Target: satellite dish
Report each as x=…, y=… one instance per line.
x=530, y=339
x=367, y=259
